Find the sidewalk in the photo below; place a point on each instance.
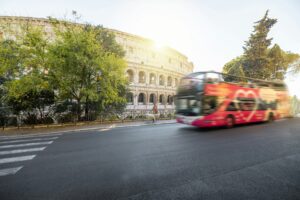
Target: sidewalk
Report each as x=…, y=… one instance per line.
x=24, y=131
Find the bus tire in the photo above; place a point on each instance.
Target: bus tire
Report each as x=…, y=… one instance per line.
x=271, y=117
x=230, y=121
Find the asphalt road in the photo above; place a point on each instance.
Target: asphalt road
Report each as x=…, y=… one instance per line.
x=173, y=161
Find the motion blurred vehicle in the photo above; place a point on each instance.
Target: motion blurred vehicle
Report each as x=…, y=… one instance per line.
x=208, y=99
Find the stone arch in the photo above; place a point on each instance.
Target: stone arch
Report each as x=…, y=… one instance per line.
x=161, y=80
x=129, y=98
x=142, y=98
x=161, y=99
x=130, y=75
x=170, y=99
x=169, y=81
x=152, y=79
x=176, y=82
x=142, y=77
x=152, y=98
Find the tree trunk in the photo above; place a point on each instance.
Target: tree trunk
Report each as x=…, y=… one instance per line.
x=87, y=108
x=78, y=110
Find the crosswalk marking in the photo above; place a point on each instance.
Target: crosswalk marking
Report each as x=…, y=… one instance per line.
x=28, y=136
x=16, y=159
x=21, y=151
x=8, y=171
x=18, y=149
x=28, y=140
x=24, y=145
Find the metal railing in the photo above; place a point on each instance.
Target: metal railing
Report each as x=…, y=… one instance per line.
x=12, y=121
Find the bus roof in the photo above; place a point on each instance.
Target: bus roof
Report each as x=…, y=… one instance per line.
x=241, y=78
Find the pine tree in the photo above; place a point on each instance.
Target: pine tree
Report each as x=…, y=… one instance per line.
x=257, y=64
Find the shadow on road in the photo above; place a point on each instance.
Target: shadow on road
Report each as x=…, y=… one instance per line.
x=193, y=129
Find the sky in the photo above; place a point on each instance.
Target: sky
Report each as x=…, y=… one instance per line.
x=210, y=33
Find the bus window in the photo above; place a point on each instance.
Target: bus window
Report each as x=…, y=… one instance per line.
x=247, y=104
x=209, y=104
x=212, y=77
x=196, y=75
x=188, y=107
x=262, y=105
x=273, y=105
x=229, y=78
x=231, y=107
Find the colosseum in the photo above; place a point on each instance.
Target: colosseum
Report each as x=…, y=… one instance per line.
x=153, y=73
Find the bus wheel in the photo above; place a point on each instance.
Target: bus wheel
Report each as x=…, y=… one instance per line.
x=271, y=117
x=229, y=121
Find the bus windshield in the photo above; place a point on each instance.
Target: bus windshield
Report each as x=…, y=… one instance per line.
x=196, y=105
x=188, y=106
x=190, y=99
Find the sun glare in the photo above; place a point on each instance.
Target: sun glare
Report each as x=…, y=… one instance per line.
x=293, y=81
x=164, y=23
x=159, y=45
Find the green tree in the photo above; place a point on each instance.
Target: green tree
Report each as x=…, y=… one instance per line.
x=108, y=41
x=234, y=67
x=260, y=61
x=292, y=61
x=276, y=59
x=280, y=61
x=10, y=59
x=257, y=64
x=83, y=70
x=23, y=63
x=294, y=68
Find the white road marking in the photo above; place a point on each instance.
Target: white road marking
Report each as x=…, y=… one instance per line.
x=280, y=120
x=28, y=136
x=105, y=129
x=108, y=128
x=8, y=171
x=21, y=151
x=16, y=159
x=24, y=145
x=28, y=140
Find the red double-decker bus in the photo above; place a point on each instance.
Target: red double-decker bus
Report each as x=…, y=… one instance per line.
x=207, y=99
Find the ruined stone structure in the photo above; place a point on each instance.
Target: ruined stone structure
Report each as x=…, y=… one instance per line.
x=154, y=73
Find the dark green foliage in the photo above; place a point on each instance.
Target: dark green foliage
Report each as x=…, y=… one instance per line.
x=259, y=61
x=83, y=67
x=235, y=67
x=256, y=63
x=33, y=105
x=109, y=44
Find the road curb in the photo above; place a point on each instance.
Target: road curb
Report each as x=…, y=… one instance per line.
x=85, y=129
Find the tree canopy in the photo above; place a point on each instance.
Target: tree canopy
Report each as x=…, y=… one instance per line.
x=82, y=64
x=259, y=60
